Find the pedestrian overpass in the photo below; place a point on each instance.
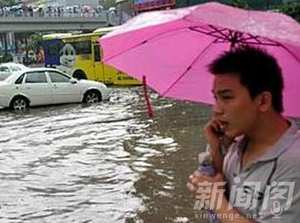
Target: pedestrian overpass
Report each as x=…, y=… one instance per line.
x=43, y=24
x=15, y=29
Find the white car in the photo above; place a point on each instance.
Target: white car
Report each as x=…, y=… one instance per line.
x=6, y=69
x=44, y=86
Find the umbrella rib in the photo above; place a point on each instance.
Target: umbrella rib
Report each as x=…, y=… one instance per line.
x=245, y=39
x=188, y=68
x=274, y=43
x=232, y=36
x=289, y=51
x=218, y=30
x=211, y=33
x=256, y=41
x=259, y=40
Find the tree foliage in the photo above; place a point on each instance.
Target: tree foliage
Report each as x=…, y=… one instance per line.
x=291, y=9
x=240, y=3
x=108, y=3
x=7, y=2
x=35, y=41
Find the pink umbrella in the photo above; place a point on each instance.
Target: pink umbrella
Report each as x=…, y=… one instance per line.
x=173, y=48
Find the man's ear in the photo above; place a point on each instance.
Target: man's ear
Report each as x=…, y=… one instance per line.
x=264, y=101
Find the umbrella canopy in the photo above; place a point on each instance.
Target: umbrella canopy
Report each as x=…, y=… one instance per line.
x=173, y=48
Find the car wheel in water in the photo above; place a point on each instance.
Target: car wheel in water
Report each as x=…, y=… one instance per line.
x=92, y=97
x=19, y=104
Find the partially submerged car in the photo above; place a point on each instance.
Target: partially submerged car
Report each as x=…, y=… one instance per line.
x=45, y=86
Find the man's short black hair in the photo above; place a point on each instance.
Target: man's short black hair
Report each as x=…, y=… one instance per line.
x=258, y=71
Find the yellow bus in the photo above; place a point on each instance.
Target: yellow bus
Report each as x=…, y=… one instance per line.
x=80, y=55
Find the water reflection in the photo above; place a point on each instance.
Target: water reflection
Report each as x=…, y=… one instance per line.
x=163, y=188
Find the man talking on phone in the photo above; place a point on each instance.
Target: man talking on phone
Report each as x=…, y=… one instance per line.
x=259, y=175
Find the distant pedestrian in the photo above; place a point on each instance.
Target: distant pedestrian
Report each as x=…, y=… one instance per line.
x=40, y=12
x=30, y=10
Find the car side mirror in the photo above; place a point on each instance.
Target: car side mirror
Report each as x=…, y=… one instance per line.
x=73, y=81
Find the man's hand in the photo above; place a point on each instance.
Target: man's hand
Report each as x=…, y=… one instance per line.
x=217, y=199
x=213, y=132
x=207, y=188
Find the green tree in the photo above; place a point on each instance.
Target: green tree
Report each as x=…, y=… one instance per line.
x=7, y=2
x=291, y=9
x=240, y=3
x=35, y=41
x=109, y=3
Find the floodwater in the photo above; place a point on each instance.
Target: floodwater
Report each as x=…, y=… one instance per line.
x=103, y=163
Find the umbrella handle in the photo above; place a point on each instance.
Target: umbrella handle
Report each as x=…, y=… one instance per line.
x=148, y=104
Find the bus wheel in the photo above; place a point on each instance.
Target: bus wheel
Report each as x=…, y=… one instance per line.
x=79, y=74
x=92, y=97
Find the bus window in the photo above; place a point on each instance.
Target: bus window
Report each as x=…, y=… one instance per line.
x=97, y=56
x=82, y=47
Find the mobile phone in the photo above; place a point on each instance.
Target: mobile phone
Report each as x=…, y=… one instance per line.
x=219, y=131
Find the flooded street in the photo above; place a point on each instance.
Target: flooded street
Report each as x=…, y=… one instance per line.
x=104, y=163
